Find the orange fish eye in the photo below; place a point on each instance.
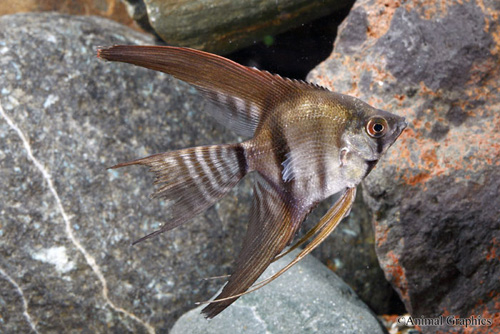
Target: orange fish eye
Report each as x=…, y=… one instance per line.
x=376, y=127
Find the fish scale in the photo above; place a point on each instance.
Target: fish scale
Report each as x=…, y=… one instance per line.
x=306, y=143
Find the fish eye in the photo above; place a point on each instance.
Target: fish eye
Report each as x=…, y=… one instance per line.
x=376, y=127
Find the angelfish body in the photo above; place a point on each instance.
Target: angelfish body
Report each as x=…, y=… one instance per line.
x=306, y=144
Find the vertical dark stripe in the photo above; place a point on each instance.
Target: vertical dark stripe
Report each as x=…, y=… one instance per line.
x=239, y=151
x=213, y=181
x=179, y=167
x=231, y=105
x=248, y=110
x=207, y=156
x=380, y=145
x=223, y=159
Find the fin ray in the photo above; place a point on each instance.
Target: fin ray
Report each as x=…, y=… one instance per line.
x=193, y=179
x=273, y=222
x=331, y=220
x=327, y=224
x=242, y=93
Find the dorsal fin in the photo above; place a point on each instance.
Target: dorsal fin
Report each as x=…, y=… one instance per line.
x=243, y=93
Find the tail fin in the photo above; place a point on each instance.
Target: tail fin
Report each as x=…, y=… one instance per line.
x=194, y=179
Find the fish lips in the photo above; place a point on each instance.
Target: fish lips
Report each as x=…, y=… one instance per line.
x=384, y=143
x=400, y=127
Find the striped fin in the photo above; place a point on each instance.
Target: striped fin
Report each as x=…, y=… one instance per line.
x=243, y=93
x=273, y=222
x=240, y=115
x=324, y=228
x=194, y=179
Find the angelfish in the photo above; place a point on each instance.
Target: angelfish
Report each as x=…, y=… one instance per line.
x=306, y=144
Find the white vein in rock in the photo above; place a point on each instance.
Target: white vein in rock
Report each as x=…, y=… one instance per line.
x=20, y=292
x=67, y=222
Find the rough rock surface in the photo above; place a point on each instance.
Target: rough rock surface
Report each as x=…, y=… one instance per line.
x=308, y=298
x=435, y=196
x=223, y=26
x=67, y=223
x=350, y=253
x=112, y=9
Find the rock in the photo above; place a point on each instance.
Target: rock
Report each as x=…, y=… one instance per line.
x=350, y=253
x=67, y=223
x=308, y=298
x=224, y=26
x=435, y=195
x=138, y=11
x=111, y=9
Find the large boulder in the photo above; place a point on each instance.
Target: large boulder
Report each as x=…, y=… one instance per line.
x=308, y=298
x=223, y=26
x=435, y=195
x=67, y=223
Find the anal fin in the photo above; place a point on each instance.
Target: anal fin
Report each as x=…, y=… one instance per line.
x=273, y=222
x=326, y=225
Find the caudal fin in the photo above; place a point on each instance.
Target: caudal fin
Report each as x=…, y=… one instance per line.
x=193, y=179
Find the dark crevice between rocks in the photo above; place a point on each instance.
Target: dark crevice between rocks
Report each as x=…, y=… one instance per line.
x=294, y=53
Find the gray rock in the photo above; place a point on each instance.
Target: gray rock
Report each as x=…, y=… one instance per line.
x=222, y=26
x=435, y=195
x=350, y=253
x=67, y=223
x=308, y=298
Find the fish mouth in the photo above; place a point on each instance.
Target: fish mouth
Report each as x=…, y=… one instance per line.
x=402, y=124
x=400, y=127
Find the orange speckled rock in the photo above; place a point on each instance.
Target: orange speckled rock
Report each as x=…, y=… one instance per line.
x=435, y=195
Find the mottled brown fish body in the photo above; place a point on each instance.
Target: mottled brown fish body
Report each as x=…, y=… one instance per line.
x=306, y=144
x=299, y=145
x=304, y=135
